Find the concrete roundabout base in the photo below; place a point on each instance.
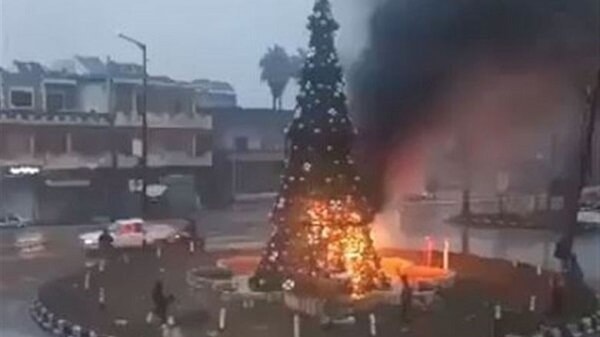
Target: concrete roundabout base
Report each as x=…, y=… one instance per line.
x=464, y=304
x=426, y=279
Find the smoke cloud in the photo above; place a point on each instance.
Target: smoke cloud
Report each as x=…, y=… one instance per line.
x=486, y=66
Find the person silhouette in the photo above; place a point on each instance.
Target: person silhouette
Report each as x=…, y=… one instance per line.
x=161, y=301
x=105, y=243
x=406, y=298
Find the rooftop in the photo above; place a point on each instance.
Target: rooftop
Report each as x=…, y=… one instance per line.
x=93, y=64
x=93, y=67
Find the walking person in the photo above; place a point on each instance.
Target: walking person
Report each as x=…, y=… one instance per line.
x=161, y=302
x=190, y=229
x=192, y=234
x=105, y=244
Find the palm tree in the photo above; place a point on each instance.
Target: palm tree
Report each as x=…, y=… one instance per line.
x=277, y=69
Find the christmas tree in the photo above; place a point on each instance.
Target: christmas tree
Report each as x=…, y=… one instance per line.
x=321, y=218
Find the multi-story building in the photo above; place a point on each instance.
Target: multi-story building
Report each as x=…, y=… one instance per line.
x=249, y=150
x=69, y=134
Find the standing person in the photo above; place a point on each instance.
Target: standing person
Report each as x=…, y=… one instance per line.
x=406, y=299
x=192, y=233
x=562, y=252
x=105, y=243
x=190, y=229
x=161, y=302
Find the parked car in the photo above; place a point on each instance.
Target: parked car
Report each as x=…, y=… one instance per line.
x=589, y=216
x=131, y=233
x=11, y=220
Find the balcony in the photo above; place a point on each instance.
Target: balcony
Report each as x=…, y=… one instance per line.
x=166, y=121
x=73, y=161
x=155, y=120
x=59, y=161
x=18, y=116
x=168, y=159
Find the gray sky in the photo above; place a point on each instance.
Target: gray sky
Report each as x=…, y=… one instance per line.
x=187, y=39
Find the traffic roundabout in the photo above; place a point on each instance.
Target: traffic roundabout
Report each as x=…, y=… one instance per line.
x=213, y=297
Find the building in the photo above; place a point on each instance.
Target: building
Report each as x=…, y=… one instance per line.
x=249, y=150
x=69, y=134
x=214, y=94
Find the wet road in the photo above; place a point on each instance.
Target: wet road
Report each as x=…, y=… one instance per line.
x=21, y=274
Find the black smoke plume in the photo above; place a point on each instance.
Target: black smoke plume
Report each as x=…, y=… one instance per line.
x=417, y=48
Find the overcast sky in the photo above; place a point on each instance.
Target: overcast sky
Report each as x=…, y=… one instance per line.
x=187, y=39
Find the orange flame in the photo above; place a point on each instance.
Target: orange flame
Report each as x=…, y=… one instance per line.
x=349, y=248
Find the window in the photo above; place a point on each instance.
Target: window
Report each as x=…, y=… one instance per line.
x=55, y=102
x=177, y=107
x=21, y=98
x=241, y=144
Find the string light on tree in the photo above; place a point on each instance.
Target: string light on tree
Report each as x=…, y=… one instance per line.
x=306, y=167
x=321, y=220
x=288, y=284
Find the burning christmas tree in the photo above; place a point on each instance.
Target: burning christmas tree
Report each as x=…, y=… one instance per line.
x=321, y=218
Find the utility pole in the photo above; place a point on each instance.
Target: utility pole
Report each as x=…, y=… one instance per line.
x=2, y=206
x=591, y=120
x=565, y=248
x=465, y=162
x=114, y=165
x=144, y=115
x=234, y=177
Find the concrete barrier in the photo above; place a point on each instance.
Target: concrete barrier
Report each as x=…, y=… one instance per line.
x=55, y=325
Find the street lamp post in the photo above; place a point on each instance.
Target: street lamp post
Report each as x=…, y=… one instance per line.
x=585, y=158
x=143, y=112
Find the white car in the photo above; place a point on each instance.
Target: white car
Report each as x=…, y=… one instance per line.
x=13, y=221
x=589, y=216
x=131, y=233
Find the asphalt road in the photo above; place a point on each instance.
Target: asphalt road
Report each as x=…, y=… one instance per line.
x=22, y=272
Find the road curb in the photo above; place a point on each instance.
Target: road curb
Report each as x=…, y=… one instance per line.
x=56, y=326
